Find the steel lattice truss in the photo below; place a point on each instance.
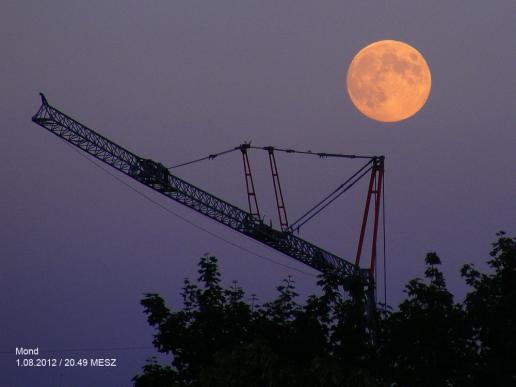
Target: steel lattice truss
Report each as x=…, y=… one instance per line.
x=157, y=177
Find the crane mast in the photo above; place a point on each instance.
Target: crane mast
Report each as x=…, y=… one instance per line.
x=157, y=177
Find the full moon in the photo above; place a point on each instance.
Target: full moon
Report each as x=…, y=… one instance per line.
x=389, y=81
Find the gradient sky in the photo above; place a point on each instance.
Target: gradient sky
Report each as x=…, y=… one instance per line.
x=175, y=80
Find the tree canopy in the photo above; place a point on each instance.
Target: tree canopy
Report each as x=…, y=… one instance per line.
x=219, y=338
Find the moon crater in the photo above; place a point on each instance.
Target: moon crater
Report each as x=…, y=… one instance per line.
x=388, y=81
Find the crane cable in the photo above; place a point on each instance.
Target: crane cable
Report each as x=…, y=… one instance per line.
x=227, y=241
x=322, y=155
x=384, y=247
x=209, y=157
x=322, y=205
x=310, y=214
x=274, y=148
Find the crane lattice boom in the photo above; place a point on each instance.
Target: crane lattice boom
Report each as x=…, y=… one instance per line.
x=154, y=175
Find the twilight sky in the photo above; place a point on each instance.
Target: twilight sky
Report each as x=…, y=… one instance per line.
x=175, y=80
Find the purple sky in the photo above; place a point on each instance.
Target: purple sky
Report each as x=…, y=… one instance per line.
x=176, y=80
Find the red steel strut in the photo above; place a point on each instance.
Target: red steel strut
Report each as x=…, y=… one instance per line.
x=375, y=188
x=251, y=193
x=282, y=213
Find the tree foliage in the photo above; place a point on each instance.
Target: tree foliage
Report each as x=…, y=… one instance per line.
x=220, y=339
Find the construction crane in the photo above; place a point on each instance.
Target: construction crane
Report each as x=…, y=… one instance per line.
x=156, y=176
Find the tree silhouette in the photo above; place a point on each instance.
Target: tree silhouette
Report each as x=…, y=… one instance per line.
x=426, y=342
x=219, y=339
x=492, y=314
